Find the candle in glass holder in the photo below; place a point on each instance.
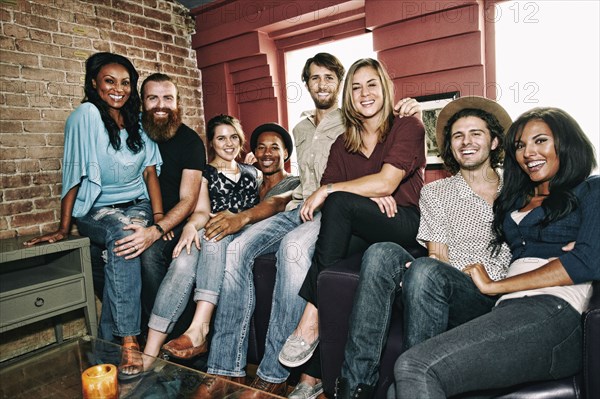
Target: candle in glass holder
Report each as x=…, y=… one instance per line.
x=100, y=382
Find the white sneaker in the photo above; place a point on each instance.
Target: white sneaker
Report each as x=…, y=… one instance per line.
x=305, y=391
x=295, y=352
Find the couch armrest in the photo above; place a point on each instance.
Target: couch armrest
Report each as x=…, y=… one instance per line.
x=591, y=345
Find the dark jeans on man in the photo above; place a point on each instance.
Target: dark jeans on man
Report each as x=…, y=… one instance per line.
x=438, y=297
x=155, y=263
x=381, y=271
x=435, y=297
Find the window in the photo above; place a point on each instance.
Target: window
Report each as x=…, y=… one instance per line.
x=346, y=50
x=547, y=55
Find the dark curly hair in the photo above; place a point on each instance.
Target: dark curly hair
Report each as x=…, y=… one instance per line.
x=130, y=110
x=496, y=132
x=577, y=161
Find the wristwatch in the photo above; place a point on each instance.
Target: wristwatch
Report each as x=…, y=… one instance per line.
x=329, y=188
x=159, y=228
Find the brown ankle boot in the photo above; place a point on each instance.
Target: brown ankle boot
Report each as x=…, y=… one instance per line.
x=217, y=386
x=261, y=386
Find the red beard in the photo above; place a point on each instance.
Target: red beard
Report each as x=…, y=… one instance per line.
x=161, y=129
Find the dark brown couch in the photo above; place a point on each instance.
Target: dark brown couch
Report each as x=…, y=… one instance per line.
x=336, y=288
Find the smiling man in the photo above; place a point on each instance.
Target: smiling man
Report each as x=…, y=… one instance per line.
x=184, y=159
x=455, y=227
x=272, y=145
x=293, y=241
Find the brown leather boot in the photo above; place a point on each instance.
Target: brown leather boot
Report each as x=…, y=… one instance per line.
x=217, y=386
x=260, y=386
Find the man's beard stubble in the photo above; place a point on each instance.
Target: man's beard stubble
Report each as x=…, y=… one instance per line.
x=326, y=103
x=162, y=130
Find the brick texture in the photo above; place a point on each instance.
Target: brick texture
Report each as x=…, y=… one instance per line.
x=43, y=48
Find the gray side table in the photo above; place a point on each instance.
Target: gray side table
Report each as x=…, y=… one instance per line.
x=45, y=281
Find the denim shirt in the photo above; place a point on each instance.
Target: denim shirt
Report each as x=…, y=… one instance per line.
x=582, y=264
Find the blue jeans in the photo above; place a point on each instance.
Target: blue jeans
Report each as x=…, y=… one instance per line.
x=121, y=306
x=438, y=297
x=381, y=272
x=204, y=267
x=155, y=263
x=526, y=339
x=294, y=242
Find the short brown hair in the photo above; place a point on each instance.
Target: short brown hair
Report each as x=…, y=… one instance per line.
x=324, y=60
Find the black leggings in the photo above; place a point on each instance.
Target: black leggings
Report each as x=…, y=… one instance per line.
x=346, y=214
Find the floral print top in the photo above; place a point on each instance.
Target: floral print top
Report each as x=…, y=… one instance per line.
x=226, y=194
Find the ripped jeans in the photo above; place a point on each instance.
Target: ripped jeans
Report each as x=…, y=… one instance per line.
x=121, y=304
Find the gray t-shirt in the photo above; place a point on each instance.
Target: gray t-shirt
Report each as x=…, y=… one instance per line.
x=287, y=184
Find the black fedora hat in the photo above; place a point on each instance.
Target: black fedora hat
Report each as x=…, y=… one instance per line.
x=275, y=128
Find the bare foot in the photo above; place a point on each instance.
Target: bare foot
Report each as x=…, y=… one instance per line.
x=308, y=327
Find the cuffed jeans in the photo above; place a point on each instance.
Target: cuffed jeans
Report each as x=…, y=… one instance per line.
x=346, y=214
x=381, y=272
x=438, y=297
x=204, y=267
x=121, y=307
x=294, y=242
x=525, y=339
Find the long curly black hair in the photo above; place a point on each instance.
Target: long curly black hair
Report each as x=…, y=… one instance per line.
x=130, y=111
x=577, y=161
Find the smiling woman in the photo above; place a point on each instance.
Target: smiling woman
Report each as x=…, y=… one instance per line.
x=370, y=188
x=227, y=187
x=547, y=213
x=536, y=154
x=107, y=185
x=113, y=86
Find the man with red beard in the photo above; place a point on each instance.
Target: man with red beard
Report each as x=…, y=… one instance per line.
x=184, y=159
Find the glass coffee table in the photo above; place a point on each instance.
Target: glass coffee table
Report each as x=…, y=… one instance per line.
x=56, y=373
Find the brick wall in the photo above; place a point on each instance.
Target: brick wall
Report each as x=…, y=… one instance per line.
x=43, y=48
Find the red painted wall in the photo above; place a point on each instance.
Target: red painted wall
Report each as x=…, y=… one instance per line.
x=428, y=48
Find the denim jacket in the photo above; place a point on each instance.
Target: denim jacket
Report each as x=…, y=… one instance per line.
x=528, y=239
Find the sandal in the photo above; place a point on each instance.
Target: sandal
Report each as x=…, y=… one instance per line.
x=131, y=357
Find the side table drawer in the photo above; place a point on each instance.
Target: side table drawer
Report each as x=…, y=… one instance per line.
x=23, y=306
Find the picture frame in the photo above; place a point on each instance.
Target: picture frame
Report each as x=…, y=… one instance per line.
x=432, y=105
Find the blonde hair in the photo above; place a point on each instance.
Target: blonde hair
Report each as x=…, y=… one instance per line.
x=353, y=119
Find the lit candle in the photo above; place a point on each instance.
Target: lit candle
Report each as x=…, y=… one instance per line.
x=100, y=382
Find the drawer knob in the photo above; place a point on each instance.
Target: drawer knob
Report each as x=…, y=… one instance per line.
x=39, y=302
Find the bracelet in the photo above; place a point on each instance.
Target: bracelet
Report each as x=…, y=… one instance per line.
x=159, y=228
x=158, y=213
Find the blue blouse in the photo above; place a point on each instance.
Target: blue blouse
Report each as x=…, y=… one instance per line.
x=106, y=176
x=528, y=239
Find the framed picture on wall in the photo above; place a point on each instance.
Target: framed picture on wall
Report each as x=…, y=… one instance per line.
x=432, y=105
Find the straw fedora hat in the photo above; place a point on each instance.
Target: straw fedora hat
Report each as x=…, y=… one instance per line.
x=474, y=102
